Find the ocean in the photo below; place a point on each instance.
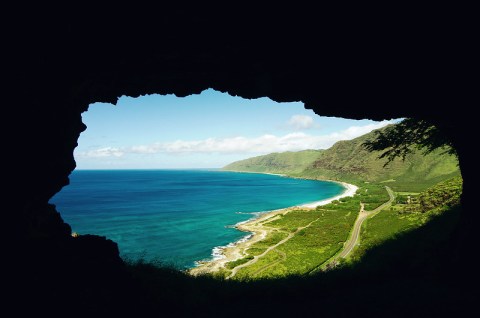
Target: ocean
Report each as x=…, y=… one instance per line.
x=177, y=217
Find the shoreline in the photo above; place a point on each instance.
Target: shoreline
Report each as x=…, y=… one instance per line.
x=350, y=191
x=257, y=232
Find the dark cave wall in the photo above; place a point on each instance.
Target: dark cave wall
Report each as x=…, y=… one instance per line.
x=355, y=72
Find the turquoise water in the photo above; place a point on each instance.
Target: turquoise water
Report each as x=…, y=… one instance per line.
x=177, y=216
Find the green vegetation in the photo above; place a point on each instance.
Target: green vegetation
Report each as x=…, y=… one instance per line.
x=373, y=195
x=397, y=141
x=233, y=264
x=318, y=235
x=270, y=240
x=446, y=193
x=351, y=161
x=384, y=226
x=314, y=237
x=285, y=162
x=408, y=213
x=426, y=183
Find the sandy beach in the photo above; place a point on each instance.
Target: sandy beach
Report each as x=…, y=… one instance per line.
x=258, y=231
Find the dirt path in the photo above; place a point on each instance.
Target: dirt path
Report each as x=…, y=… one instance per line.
x=283, y=258
x=257, y=257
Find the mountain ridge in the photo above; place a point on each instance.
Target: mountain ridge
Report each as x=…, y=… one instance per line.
x=348, y=160
x=277, y=162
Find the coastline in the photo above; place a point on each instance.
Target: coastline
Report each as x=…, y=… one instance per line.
x=257, y=231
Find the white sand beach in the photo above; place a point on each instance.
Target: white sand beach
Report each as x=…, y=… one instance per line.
x=350, y=191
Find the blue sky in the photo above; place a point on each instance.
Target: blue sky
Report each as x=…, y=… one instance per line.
x=208, y=130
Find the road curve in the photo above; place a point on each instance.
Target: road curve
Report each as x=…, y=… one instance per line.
x=348, y=247
x=352, y=241
x=362, y=216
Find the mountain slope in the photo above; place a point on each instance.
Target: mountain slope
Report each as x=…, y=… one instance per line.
x=349, y=161
x=285, y=162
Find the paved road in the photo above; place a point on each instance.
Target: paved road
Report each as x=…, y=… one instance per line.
x=352, y=241
x=362, y=216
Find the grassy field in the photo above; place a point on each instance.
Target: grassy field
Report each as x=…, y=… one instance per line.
x=384, y=226
x=317, y=235
x=262, y=246
x=403, y=217
x=309, y=247
x=373, y=195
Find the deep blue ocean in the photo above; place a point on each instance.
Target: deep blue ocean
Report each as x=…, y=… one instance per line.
x=177, y=216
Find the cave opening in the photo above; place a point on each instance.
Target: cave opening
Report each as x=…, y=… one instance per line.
x=160, y=136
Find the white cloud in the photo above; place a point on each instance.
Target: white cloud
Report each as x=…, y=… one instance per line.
x=241, y=145
x=299, y=122
x=261, y=144
x=102, y=153
x=357, y=131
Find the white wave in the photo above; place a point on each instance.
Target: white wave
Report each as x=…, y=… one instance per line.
x=217, y=252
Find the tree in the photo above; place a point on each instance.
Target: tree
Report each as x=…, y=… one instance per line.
x=403, y=138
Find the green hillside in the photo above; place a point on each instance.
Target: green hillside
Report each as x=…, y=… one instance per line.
x=285, y=162
x=405, y=216
x=349, y=161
